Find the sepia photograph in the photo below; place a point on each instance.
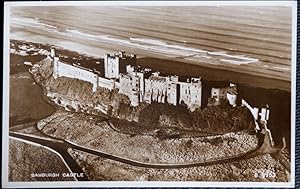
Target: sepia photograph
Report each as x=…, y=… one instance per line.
x=133, y=93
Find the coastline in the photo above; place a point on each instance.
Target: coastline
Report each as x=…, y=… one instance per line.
x=156, y=61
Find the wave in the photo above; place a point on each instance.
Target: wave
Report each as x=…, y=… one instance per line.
x=30, y=21
x=282, y=68
x=147, y=41
x=154, y=45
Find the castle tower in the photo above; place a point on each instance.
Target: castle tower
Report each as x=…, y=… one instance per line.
x=116, y=64
x=111, y=66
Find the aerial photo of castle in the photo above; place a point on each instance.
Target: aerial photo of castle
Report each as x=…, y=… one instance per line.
x=155, y=97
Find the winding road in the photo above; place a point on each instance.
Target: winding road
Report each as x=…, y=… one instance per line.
x=61, y=147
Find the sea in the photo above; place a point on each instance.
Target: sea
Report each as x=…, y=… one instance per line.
x=252, y=43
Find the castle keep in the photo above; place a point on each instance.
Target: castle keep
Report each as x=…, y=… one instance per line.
x=116, y=64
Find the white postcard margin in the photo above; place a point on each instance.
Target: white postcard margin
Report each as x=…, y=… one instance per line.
x=5, y=97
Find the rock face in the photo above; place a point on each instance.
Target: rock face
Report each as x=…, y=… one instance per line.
x=74, y=94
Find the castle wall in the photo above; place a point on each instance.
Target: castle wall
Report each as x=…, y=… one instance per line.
x=130, y=71
x=196, y=95
x=155, y=90
x=190, y=94
x=259, y=114
x=129, y=86
x=184, y=94
x=148, y=91
x=172, y=93
x=218, y=93
x=264, y=114
x=106, y=83
x=253, y=110
x=172, y=89
x=62, y=69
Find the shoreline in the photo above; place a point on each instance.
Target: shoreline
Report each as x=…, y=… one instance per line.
x=209, y=73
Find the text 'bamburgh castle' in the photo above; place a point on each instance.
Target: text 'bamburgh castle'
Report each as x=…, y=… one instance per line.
x=139, y=84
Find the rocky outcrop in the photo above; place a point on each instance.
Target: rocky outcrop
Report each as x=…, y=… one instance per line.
x=77, y=95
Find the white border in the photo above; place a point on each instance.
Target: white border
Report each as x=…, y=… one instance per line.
x=5, y=98
x=293, y=91
x=5, y=109
x=154, y=3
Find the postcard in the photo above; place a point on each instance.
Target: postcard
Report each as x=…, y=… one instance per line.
x=135, y=94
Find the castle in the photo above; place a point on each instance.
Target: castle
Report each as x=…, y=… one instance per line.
x=143, y=85
x=121, y=73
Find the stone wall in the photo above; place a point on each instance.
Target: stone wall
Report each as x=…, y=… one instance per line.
x=70, y=71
